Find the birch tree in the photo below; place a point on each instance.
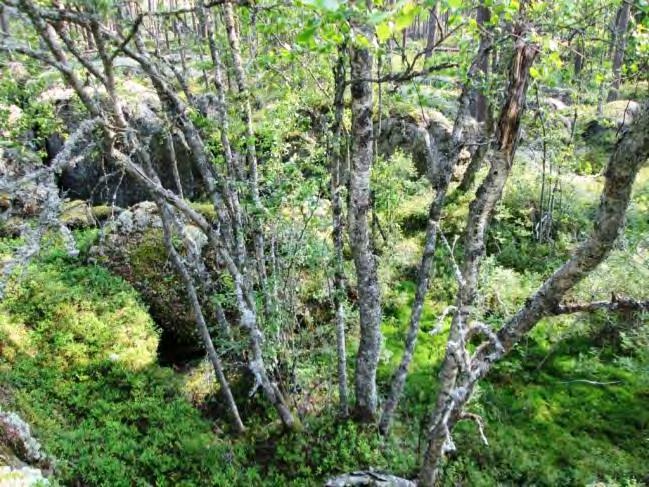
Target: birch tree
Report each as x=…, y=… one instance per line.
x=369, y=300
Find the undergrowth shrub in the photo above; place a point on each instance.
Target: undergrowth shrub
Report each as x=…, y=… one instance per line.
x=78, y=356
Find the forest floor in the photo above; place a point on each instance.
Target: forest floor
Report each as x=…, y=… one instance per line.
x=78, y=361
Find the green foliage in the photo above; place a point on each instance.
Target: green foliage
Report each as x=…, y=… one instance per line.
x=304, y=457
x=78, y=349
x=25, y=116
x=78, y=357
x=395, y=182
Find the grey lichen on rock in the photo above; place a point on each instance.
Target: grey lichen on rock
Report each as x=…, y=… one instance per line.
x=22, y=459
x=22, y=477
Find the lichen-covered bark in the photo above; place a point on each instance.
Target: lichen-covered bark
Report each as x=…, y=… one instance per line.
x=338, y=229
x=446, y=412
x=441, y=182
x=251, y=154
x=631, y=152
x=369, y=301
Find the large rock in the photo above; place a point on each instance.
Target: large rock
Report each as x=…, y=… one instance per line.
x=22, y=460
x=132, y=247
x=426, y=137
x=22, y=477
x=615, y=114
x=95, y=178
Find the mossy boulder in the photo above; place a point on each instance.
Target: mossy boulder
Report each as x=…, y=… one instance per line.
x=133, y=248
x=78, y=357
x=424, y=136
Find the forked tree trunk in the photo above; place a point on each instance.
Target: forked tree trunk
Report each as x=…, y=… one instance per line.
x=446, y=414
x=369, y=302
x=442, y=181
x=631, y=152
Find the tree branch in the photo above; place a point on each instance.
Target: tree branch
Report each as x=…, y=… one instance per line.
x=615, y=304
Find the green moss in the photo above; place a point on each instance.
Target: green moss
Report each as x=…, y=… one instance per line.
x=206, y=209
x=78, y=362
x=143, y=261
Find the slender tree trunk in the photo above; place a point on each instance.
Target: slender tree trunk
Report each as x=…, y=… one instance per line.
x=369, y=301
x=619, y=43
x=483, y=16
x=181, y=268
x=245, y=301
x=4, y=23
x=446, y=414
x=441, y=184
x=338, y=228
x=431, y=35
x=234, y=167
x=251, y=153
x=579, y=56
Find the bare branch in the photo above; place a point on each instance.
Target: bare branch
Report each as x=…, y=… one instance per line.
x=477, y=419
x=615, y=304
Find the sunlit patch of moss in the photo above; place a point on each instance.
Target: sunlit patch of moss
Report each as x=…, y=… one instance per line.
x=66, y=309
x=78, y=356
x=15, y=339
x=205, y=208
x=199, y=382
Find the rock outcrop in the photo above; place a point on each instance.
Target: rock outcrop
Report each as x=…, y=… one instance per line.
x=22, y=460
x=425, y=137
x=97, y=180
x=132, y=247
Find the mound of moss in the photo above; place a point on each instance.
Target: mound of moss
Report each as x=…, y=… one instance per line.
x=78, y=361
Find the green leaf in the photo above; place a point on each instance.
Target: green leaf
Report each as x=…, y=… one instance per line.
x=306, y=36
x=406, y=17
x=383, y=31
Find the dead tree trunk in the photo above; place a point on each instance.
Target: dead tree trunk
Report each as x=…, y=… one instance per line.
x=631, y=152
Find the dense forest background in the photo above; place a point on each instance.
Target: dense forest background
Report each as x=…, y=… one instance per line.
x=324, y=242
